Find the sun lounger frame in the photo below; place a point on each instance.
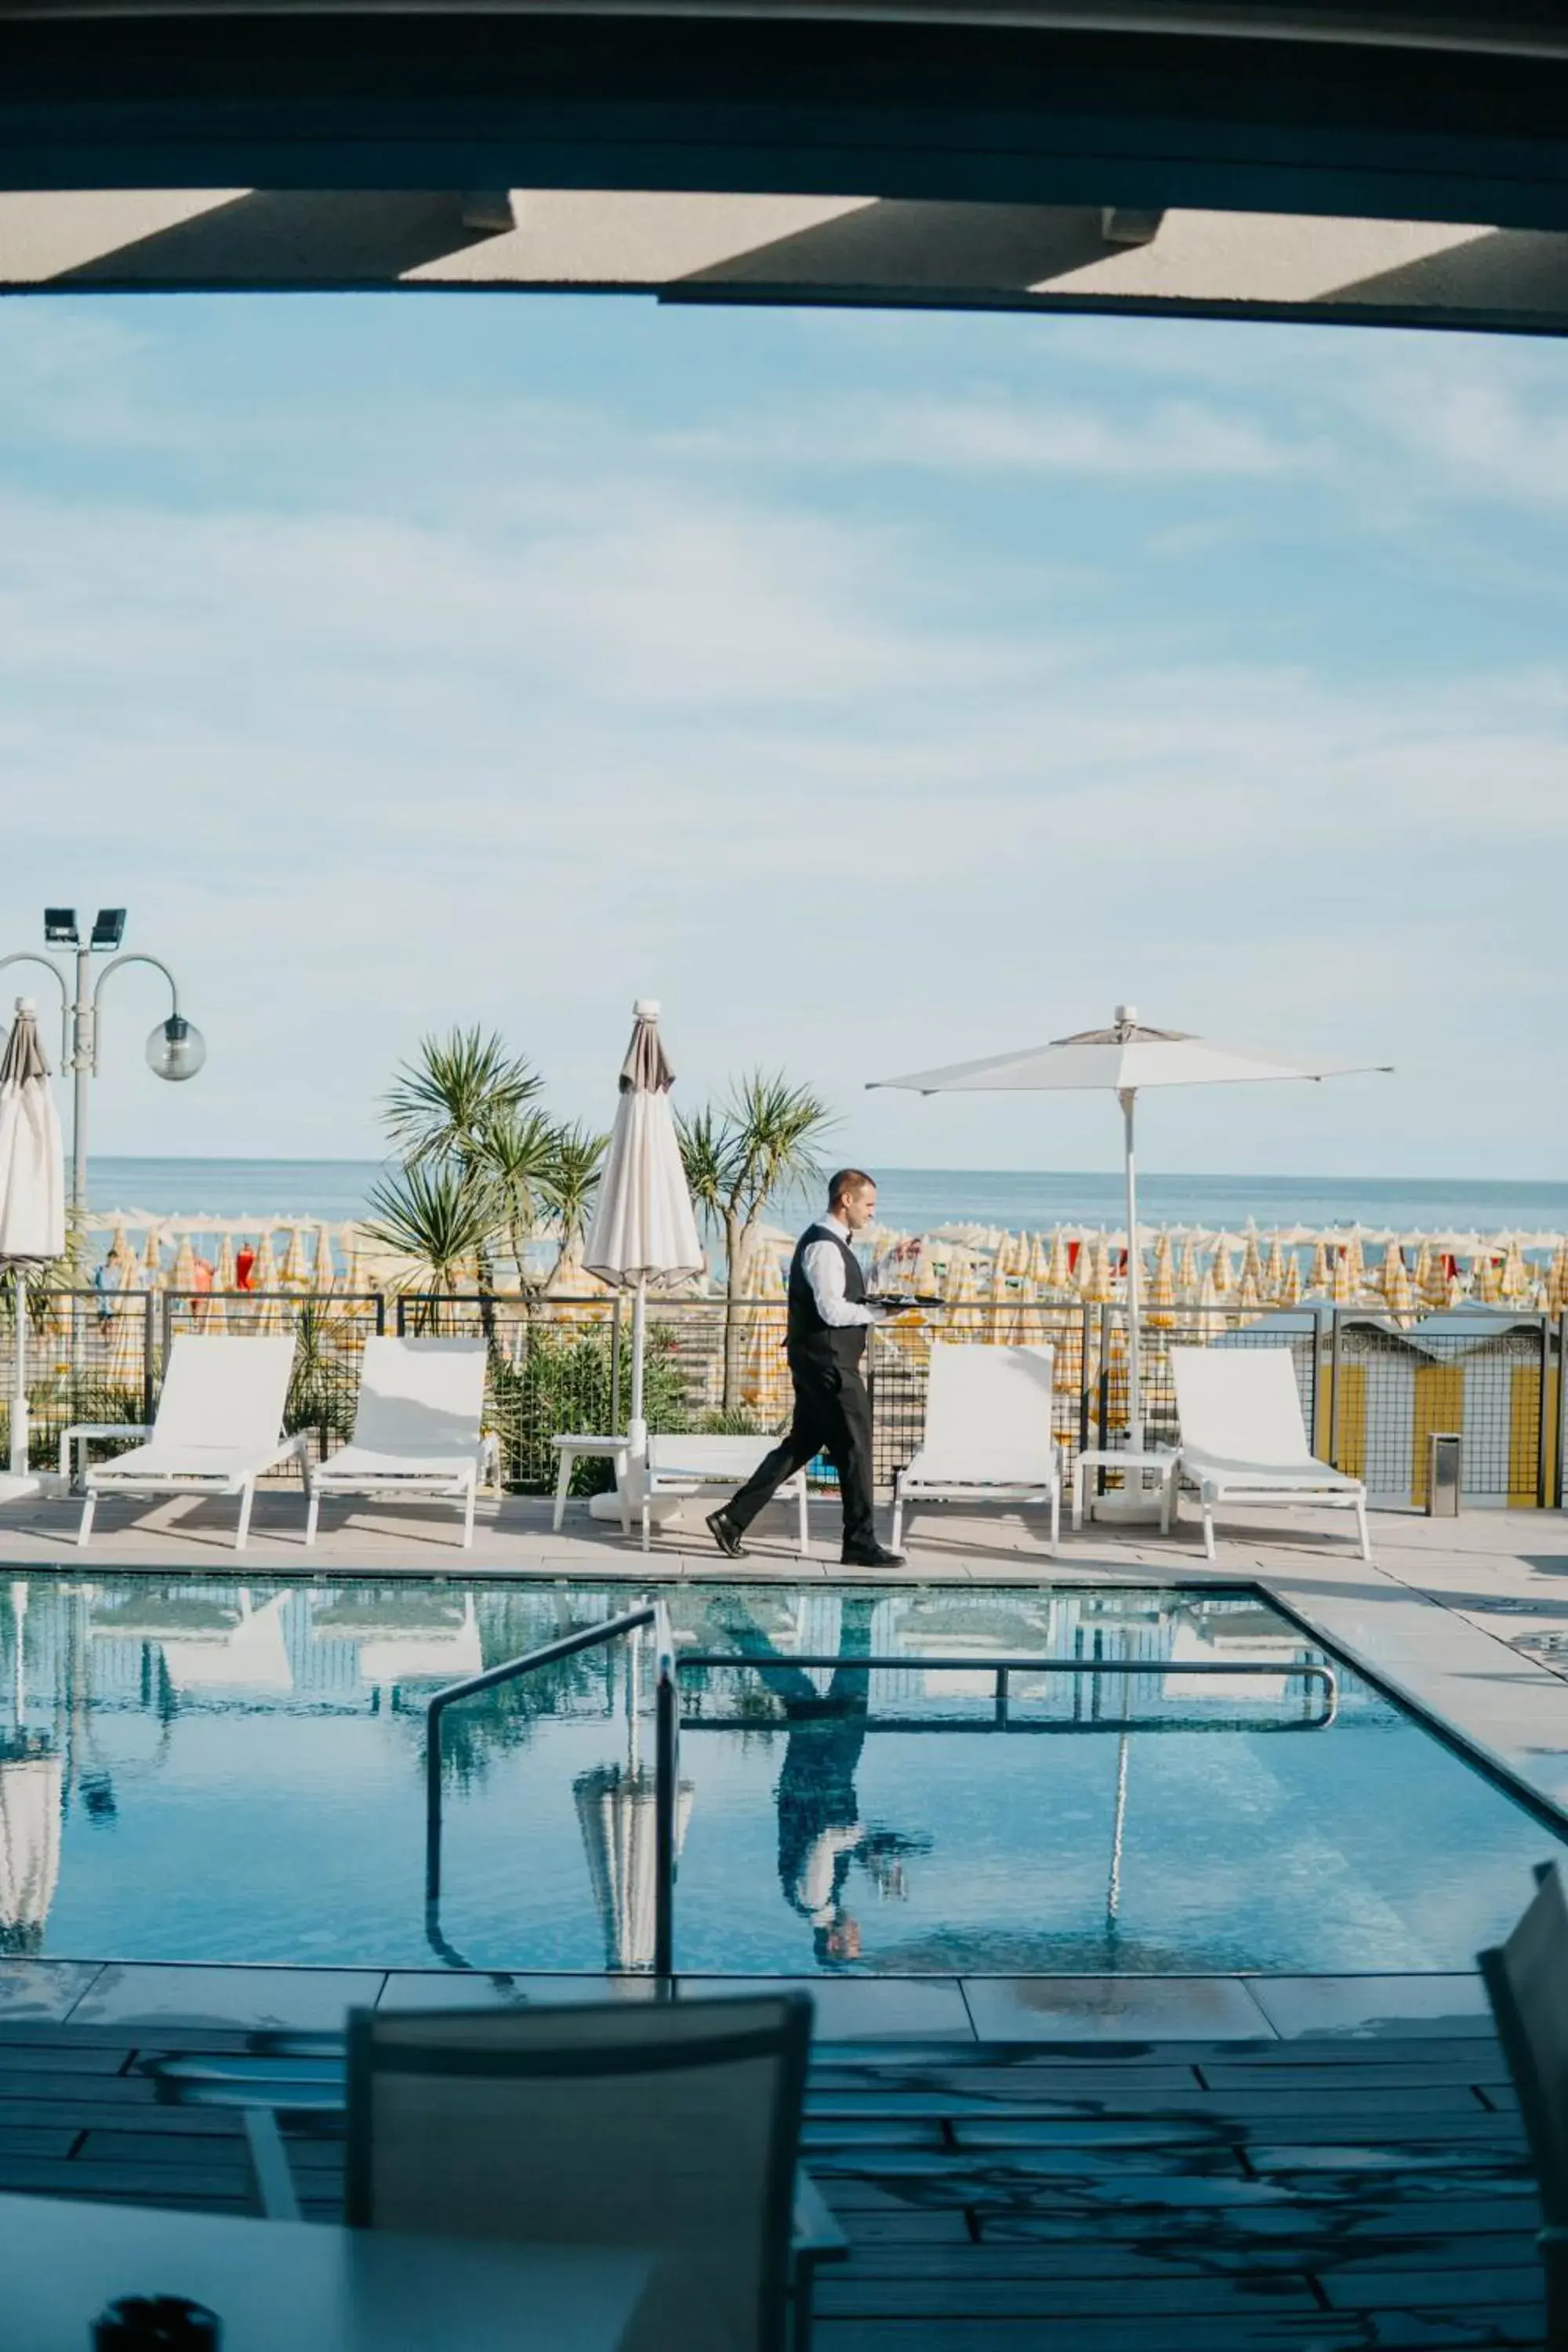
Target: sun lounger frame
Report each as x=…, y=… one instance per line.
x=1290, y=1478
x=449, y=1474
x=996, y=1370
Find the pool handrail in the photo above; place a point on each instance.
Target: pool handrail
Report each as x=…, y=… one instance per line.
x=668, y=1665
x=653, y=1612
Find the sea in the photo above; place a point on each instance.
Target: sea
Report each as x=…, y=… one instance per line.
x=917, y=1199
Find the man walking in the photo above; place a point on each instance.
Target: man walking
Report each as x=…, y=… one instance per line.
x=828, y=1318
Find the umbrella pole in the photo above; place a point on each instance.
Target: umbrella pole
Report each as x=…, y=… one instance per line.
x=19, y=1369
x=637, y=1429
x=1127, y=1097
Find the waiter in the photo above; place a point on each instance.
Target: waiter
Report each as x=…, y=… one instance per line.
x=829, y=1318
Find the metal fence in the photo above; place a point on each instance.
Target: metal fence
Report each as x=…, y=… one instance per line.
x=1373, y=1391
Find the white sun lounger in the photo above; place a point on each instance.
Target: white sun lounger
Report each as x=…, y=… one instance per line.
x=1244, y=1440
x=217, y=1430
x=684, y=1465
x=416, y=1428
x=987, y=1432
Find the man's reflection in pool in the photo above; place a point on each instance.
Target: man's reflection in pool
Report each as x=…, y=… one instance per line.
x=820, y=1832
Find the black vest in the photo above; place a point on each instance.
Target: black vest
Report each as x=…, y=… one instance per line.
x=812, y=1339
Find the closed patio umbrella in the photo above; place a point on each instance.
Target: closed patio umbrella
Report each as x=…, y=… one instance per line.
x=644, y=1231
x=1124, y=1060
x=32, y=1192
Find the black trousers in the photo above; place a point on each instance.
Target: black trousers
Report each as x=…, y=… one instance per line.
x=832, y=1416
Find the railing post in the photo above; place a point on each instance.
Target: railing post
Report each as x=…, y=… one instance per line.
x=149, y=1341
x=614, y=1428
x=1312, y=1440
x=1084, y=1314
x=666, y=1769
x=1562, y=1399
x=1543, y=1416
x=433, y=1804
x=1333, y=1388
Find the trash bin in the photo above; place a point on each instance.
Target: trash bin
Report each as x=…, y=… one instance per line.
x=1444, y=1448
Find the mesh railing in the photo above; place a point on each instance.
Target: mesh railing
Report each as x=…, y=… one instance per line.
x=1372, y=1392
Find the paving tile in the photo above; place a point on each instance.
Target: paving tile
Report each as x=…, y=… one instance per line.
x=1114, y=2009
x=470, y=1989
x=864, y=2009
x=1372, y=2006
x=42, y=1991
x=143, y=1994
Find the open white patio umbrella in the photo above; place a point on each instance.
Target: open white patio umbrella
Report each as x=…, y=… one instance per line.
x=644, y=1233
x=1122, y=1060
x=32, y=1191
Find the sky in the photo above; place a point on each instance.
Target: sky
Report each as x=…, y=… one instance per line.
x=875, y=691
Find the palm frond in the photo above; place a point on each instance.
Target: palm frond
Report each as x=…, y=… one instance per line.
x=441, y=1216
x=440, y=1104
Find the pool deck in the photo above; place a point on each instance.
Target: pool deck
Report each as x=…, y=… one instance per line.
x=1444, y=1614
x=1318, y=2194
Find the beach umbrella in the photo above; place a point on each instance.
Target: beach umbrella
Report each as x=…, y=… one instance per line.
x=1344, y=1289
x=1124, y=1060
x=1484, y=1282
x=1421, y=1274
x=1249, y=1291
x=1321, y=1277
x=268, y=1315
x=1162, y=1287
x=1251, y=1263
x=1188, y=1276
x=323, y=1274
x=1209, y=1320
x=1291, y=1289
x=1514, y=1280
x=1099, y=1287
x=183, y=1272
x=124, y=1259
x=1393, y=1267
x=1221, y=1271
x=1398, y=1293
x=615, y=1811
x=644, y=1231
x=1274, y=1270
x=153, y=1260
x=1355, y=1260
x=30, y=1779
x=32, y=1192
x=1058, y=1267
x=294, y=1273
x=122, y=1361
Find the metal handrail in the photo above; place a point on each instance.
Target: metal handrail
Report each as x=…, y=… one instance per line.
x=590, y=1637
x=1304, y=1669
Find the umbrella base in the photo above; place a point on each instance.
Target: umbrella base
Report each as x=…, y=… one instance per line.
x=664, y=1510
x=29, y=1485
x=1128, y=1505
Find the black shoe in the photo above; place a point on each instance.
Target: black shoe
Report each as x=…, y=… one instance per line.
x=726, y=1535
x=869, y=1555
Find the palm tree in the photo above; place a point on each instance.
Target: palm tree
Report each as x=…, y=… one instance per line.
x=441, y=1215
x=517, y=1153
x=573, y=1179
x=439, y=1105
x=736, y=1157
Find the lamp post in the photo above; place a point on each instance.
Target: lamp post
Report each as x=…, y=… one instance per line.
x=175, y=1049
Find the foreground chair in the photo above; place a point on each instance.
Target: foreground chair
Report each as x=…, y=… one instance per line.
x=416, y=1428
x=987, y=1432
x=670, y=2128
x=1244, y=1440
x=1525, y=1979
x=217, y=1430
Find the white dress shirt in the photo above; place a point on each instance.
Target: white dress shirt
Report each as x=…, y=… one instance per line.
x=822, y=1267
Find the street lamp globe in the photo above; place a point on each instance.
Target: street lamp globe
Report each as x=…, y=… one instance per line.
x=176, y=1049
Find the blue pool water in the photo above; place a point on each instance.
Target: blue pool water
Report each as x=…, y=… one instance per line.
x=228, y=1772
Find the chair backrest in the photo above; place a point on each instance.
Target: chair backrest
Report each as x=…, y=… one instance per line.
x=989, y=1403
x=703, y=1457
x=420, y=1396
x=224, y=1393
x=669, y=2128
x=1241, y=1404
x=1525, y=1979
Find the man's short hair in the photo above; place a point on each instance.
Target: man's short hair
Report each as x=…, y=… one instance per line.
x=847, y=1180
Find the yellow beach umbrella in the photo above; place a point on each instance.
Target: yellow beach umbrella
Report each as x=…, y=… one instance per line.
x=183, y=1272
x=268, y=1315
x=1249, y=1290
x=294, y=1273
x=1162, y=1287
x=1209, y=1320
x=1220, y=1272
x=1291, y=1289
x=1039, y=1262
x=124, y=1259
x=1484, y=1279
x=1252, y=1264
x=1188, y=1278
x=1392, y=1270
x=1322, y=1277
x=1274, y=1268
x=1437, y=1287
x=1399, y=1295
x=1355, y=1259
x=153, y=1261
x=125, y=1337
x=1514, y=1280
x=323, y=1274
x=1099, y=1287
x=1557, y=1281
x=1421, y=1274
x=1344, y=1288
x=1059, y=1271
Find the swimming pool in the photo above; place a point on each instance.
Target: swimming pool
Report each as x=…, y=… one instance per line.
x=229, y=1773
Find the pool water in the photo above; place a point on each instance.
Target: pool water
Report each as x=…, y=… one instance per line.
x=235, y=1772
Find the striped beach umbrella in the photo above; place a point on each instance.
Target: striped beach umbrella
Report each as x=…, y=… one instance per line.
x=1251, y=1264
x=268, y=1315
x=1321, y=1280
x=1162, y=1286
x=153, y=1261
x=1514, y=1281
x=1345, y=1288
x=1188, y=1278
x=1221, y=1273
x=1399, y=1294
x=1392, y=1270
x=323, y=1274
x=1209, y=1320
x=1274, y=1268
x=294, y=1273
x=1485, y=1284
x=1059, y=1269
x=1291, y=1289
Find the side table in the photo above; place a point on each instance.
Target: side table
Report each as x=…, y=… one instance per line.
x=1120, y=1457
x=570, y=1449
